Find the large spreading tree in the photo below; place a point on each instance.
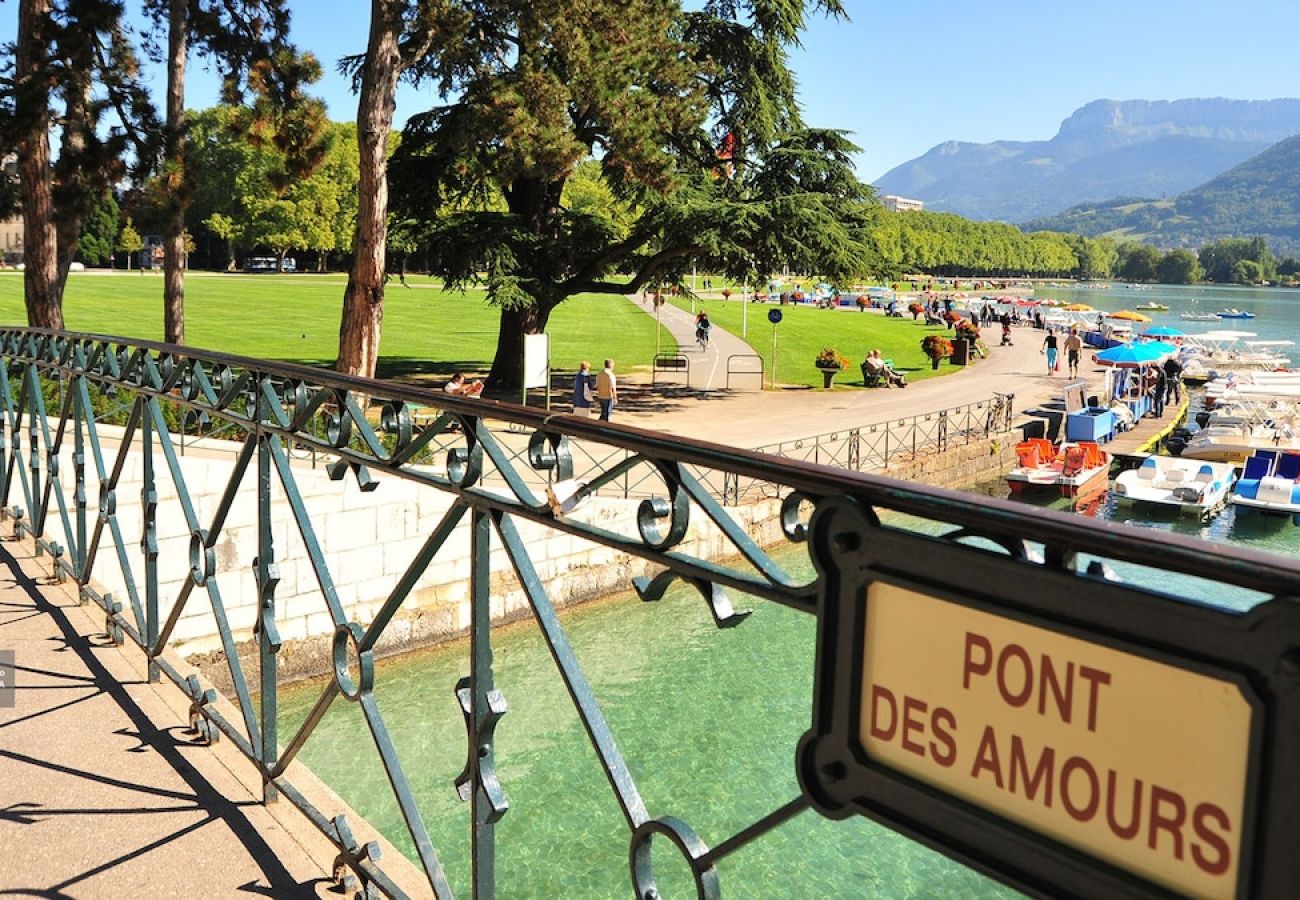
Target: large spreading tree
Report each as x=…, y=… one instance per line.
x=692, y=118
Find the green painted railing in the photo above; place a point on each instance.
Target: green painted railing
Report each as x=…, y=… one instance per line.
x=975, y=551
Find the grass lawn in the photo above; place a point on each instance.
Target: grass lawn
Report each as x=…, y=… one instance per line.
x=427, y=331
x=805, y=330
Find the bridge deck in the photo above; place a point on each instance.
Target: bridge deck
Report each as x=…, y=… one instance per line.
x=102, y=792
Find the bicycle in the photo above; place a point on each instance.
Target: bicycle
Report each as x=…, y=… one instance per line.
x=702, y=336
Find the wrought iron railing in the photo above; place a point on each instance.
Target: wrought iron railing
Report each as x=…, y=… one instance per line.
x=1033, y=566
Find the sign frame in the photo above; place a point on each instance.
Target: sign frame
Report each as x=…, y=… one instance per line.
x=1259, y=651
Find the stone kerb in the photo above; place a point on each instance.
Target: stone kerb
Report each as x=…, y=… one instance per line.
x=368, y=539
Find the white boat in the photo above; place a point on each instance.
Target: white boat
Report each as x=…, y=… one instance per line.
x=1199, y=317
x=1233, y=443
x=1075, y=468
x=1190, y=486
x=1156, y=307
x=1270, y=483
x=1235, y=313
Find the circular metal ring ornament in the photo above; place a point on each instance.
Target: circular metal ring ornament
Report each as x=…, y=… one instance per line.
x=348, y=635
x=203, y=559
x=687, y=842
x=395, y=418
x=651, y=513
x=338, y=426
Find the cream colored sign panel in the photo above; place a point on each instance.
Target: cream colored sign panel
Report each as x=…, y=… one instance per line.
x=1136, y=762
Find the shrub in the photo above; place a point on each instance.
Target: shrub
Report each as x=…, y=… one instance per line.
x=936, y=346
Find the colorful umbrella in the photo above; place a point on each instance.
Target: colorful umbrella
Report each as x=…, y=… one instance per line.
x=1078, y=307
x=1132, y=356
x=1163, y=331
x=1129, y=316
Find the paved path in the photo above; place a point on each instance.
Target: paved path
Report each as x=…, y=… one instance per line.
x=102, y=792
x=745, y=417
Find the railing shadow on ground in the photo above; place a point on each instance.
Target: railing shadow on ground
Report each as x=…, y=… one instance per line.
x=199, y=797
x=507, y=474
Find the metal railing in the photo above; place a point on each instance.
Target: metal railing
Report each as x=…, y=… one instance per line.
x=984, y=552
x=744, y=359
x=870, y=447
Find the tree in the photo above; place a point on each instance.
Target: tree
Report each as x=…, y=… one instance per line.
x=1179, y=267
x=249, y=40
x=692, y=117
x=1137, y=262
x=401, y=34
x=76, y=55
x=129, y=240
x=99, y=233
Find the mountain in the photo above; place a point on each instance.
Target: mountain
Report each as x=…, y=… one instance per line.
x=1108, y=148
x=1259, y=197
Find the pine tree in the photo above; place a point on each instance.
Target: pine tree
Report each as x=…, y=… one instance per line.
x=692, y=116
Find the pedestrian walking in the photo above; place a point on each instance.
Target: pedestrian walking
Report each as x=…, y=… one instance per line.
x=1073, y=349
x=607, y=390
x=1049, y=347
x=584, y=390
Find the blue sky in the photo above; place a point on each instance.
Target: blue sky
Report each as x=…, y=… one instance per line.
x=907, y=75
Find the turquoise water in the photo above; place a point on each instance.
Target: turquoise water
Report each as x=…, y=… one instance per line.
x=707, y=721
x=1277, y=310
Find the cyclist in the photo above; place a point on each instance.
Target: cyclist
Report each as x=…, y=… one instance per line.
x=702, y=326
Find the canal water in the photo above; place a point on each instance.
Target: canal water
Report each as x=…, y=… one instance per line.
x=707, y=720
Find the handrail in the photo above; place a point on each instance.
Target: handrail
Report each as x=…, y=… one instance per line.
x=491, y=488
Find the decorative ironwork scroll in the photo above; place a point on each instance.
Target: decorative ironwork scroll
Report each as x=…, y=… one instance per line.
x=87, y=419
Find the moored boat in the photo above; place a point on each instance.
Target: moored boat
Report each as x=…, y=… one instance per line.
x=1235, y=313
x=1190, y=486
x=1234, y=443
x=1270, y=483
x=1158, y=307
x=1074, y=469
x=1199, y=317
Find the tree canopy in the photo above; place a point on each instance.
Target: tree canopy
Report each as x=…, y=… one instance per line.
x=690, y=116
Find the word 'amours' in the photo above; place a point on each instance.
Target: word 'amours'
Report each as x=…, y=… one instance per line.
x=1133, y=809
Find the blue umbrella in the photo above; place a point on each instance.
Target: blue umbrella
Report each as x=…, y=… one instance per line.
x=1136, y=354
x=1163, y=331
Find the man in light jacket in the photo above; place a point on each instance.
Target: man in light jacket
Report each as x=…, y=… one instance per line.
x=607, y=390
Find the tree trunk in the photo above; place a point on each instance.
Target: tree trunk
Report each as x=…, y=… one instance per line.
x=71, y=191
x=31, y=102
x=508, y=364
x=363, y=300
x=174, y=166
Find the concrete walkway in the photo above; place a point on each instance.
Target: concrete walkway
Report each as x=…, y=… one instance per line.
x=102, y=791
x=747, y=417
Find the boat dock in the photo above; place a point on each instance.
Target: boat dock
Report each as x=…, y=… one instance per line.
x=1142, y=440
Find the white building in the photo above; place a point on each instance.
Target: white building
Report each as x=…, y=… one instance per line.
x=894, y=203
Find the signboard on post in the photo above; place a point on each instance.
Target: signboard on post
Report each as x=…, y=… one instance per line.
x=537, y=364
x=1068, y=734
x=773, y=316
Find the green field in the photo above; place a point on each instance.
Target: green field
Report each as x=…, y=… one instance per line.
x=428, y=332
x=805, y=330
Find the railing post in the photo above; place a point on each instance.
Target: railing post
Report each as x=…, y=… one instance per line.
x=268, y=575
x=483, y=828
x=79, y=473
x=149, y=536
x=35, y=516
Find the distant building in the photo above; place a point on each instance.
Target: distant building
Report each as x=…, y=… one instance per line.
x=11, y=240
x=894, y=203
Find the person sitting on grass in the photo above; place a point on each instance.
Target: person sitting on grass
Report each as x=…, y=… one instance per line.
x=461, y=388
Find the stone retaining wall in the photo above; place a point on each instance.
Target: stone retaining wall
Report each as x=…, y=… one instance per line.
x=977, y=461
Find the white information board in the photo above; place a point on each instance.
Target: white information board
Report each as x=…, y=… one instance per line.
x=537, y=360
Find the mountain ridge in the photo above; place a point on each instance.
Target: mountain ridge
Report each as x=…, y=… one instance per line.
x=1092, y=158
